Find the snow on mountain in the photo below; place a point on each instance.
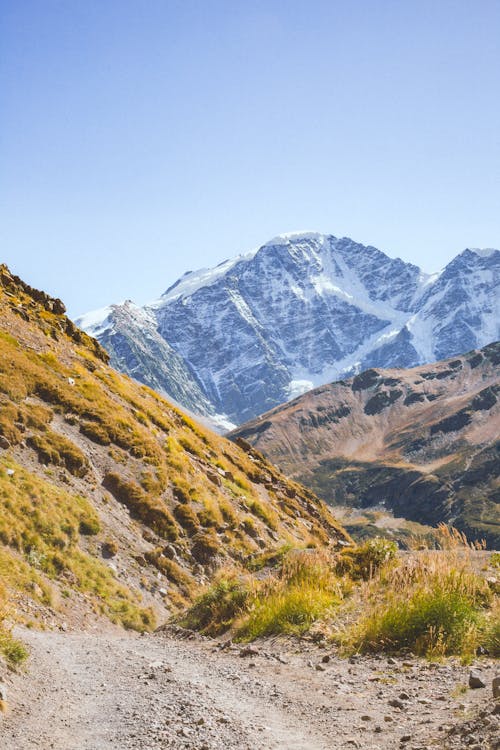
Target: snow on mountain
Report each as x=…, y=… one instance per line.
x=302, y=310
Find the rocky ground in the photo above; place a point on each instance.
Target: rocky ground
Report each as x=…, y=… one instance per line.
x=102, y=690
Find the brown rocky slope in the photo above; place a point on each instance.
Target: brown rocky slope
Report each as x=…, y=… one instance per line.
x=111, y=500
x=422, y=443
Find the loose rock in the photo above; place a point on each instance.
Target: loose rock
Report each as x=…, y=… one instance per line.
x=476, y=680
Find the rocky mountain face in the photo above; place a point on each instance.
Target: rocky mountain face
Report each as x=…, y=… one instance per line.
x=423, y=443
x=302, y=310
x=112, y=500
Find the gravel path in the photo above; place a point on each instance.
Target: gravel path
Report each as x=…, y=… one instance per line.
x=120, y=691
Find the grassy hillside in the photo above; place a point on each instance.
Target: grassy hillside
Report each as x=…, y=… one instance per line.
x=111, y=500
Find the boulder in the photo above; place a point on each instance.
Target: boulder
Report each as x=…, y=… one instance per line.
x=495, y=685
x=476, y=680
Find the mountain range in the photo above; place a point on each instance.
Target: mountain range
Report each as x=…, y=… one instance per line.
x=231, y=342
x=422, y=443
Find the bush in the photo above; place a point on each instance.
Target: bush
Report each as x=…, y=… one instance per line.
x=432, y=603
x=306, y=590
x=432, y=618
x=365, y=560
x=215, y=610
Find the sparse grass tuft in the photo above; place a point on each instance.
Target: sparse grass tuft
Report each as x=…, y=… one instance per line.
x=11, y=649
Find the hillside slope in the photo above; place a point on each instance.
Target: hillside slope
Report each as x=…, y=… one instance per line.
x=111, y=500
x=300, y=311
x=423, y=442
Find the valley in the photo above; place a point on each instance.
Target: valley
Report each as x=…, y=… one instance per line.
x=162, y=586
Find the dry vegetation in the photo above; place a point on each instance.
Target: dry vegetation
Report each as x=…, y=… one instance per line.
x=10, y=649
x=367, y=599
x=80, y=440
x=41, y=525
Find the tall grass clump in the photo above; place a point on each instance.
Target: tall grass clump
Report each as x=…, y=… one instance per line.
x=490, y=630
x=215, y=610
x=305, y=590
x=432, y=602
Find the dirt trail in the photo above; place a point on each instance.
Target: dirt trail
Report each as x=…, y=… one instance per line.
x=112, y=690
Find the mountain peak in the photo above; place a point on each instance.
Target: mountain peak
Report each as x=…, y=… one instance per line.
x=304, y=309
x=298, y=236
x=484, y=252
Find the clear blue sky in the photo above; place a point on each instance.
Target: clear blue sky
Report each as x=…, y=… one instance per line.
x=143, y=138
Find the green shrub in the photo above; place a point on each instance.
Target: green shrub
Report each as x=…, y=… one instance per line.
x=363, y=561
x=433, y=604
x=306, y=590
x=215, y=610
x=291, y=609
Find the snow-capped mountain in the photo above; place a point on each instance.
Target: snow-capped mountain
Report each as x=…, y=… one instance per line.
x=300, y=311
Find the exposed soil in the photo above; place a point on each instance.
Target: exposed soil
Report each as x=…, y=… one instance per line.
x=103, y=690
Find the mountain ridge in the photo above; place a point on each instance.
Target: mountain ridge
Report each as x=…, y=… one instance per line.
x=422, y=442
x=302, y=310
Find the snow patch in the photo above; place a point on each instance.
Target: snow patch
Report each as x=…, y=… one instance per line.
x=286, y=237
x=298, y=387
x=483, y=252
x=97, y=321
